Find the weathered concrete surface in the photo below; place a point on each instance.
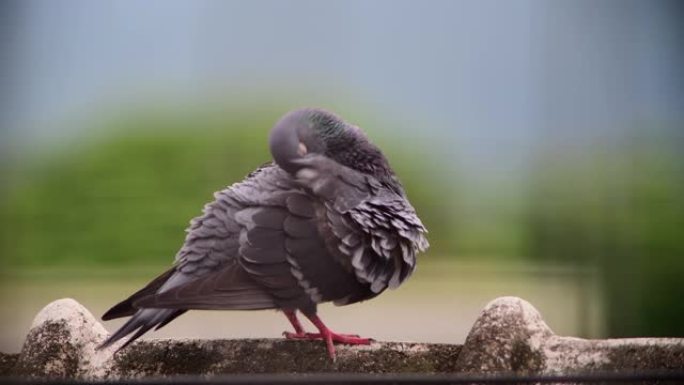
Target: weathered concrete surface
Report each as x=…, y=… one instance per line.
x=165, y=357
x=62, y=342
x=64, y=335
x=8, y=363
x=509, y=336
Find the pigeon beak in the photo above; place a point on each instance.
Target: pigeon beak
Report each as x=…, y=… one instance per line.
x=301, y=149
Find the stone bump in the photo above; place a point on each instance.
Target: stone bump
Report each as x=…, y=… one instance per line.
x=509, y=336
x=505, y=338
x=62, y=343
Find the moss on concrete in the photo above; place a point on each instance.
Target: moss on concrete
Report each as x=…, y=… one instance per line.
x=7, y=363
x=639, y=356
x=165, y=357
x=50, y=353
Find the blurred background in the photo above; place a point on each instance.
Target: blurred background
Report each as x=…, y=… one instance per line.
x=541, y=142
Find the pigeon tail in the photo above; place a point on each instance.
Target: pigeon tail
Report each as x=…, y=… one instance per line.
x=125, y=308
x=142, y=321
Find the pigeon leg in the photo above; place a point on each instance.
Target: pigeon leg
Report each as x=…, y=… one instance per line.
x=299, y=330
x=330, y=337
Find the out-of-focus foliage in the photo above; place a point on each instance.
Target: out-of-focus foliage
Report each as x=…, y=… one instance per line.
x=619, y=206
x=124, y=197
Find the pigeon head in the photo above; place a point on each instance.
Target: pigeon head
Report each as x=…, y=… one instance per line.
x=315, y=131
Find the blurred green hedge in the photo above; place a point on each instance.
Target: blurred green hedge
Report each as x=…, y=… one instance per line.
x=617, y=205
x=124, y=196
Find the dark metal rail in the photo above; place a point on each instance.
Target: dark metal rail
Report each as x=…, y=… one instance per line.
x=641, y=377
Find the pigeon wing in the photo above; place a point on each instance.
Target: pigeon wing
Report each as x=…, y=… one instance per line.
x=284, y=249
x=208, y=272
x=228, y=288
x=238, y=250
x=372, y=228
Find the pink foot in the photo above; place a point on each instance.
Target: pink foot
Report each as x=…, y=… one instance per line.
x=324, y=334
x=299, y=331
x=331, y=337
x=348, y=339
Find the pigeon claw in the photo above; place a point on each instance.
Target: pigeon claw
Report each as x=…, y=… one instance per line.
x=324, y=334
x=351, y=339
x=295, y=336
x=331, y=337
x=347, y=339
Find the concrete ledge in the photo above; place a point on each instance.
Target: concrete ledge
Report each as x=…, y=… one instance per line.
x=510, y=336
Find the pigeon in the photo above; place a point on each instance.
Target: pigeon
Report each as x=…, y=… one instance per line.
x=326, y=221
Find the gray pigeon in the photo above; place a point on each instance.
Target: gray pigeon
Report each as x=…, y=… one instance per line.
x=328, y=220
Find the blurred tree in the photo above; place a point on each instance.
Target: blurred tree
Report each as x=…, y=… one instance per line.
x=126, y=196
x=618, y=206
